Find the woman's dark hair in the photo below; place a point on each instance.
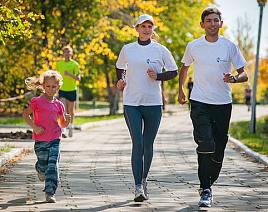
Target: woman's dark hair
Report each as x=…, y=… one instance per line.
x=210, y=10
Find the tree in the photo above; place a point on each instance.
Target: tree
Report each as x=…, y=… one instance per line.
x=15, y=22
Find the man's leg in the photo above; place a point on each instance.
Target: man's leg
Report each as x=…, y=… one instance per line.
x=71, y=112
x=220, y=126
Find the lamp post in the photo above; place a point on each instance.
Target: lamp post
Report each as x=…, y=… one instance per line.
x=253, y=106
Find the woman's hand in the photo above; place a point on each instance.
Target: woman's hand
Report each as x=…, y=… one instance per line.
x=151, y=73
x=121, y=84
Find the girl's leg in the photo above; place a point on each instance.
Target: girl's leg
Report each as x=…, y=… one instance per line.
x=52, y=172
x=41, y=149
x=152, y=117
x=133, y=119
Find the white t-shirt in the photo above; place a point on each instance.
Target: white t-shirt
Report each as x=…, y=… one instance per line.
x=210, y=60
x=136, y=59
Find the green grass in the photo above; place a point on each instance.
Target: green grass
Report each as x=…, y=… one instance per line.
x=77, y=121
x=87, y=105
x=258, y=141
x=84, y=119
x=6, y=148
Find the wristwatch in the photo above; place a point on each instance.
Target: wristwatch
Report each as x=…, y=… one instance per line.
x=235, y=79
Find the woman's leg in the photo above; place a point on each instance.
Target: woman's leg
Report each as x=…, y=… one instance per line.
x=133, y=119
x=152, y=117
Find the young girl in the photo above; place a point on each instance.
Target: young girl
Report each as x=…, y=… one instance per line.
x=46, y=130
x=139, y=71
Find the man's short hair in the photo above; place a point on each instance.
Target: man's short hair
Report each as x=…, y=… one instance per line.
x=210, y=10
x=69, y=48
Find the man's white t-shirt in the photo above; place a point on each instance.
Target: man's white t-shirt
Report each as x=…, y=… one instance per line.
x=210, y=60
x=136, y=59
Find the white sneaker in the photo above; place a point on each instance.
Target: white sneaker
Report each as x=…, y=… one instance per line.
x=145, y=189
x=139, y=194
x=41, y=177
x=70, y=132
x=50, y=198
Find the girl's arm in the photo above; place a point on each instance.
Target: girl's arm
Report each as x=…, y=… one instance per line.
x=26, y=115
x=65, y=119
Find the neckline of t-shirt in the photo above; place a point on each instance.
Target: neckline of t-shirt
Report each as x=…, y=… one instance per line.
x=144, y=46
x=44, y=99
x=212, y=43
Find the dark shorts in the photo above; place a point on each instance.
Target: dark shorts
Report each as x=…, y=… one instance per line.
x=69, y=95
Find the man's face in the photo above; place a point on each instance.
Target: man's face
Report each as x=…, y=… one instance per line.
x=67, y=53
x=211, y=24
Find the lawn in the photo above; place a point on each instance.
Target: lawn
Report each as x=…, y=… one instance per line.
x=258, y=141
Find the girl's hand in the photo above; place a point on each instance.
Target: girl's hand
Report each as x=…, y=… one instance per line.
x=121, y=84
x=68, y=117
x=38, y=130
x=151, y=73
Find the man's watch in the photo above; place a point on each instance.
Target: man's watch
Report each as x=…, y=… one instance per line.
x=235, y=79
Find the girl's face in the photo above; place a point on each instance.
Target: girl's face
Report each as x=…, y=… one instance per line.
x=51, y=86
x=145, y=30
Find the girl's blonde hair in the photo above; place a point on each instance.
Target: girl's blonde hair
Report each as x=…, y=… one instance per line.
x=37, y=83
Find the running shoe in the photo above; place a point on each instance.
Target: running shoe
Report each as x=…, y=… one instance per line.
x=145, y=189
x=139, y=194
x=50, y=198
x=206, y=198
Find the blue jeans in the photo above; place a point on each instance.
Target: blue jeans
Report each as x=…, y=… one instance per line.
x=48, y=156
x=143, y=123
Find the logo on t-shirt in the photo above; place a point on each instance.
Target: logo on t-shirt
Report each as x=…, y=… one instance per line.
x=148, y=61
x=219, y=60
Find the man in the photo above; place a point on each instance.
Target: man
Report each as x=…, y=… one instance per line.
x=69, y=70
x=212, y=56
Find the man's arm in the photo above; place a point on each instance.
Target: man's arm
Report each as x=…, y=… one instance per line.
x=182, y=79
x=77, y=77
x=240, y=77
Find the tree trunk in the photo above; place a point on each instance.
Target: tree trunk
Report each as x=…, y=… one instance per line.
x=113, y=92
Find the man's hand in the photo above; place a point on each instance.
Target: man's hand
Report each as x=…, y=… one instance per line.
x=121, y=84
x=182, y=97
x=228, y=78
x=67, y=73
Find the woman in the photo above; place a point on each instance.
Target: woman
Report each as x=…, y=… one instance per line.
x=139, y=72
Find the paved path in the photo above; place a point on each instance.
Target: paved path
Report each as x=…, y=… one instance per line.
x=95, y=174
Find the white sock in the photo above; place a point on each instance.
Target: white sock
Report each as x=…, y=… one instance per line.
x=63, y=129
x=71, y=125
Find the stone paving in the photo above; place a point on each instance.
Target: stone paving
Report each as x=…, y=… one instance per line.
x=95, y=174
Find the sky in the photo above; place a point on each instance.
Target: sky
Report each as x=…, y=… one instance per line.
x=233, y=9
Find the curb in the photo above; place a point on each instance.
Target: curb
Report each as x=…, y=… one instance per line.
x=9, y=155
x=260, y=158
x=98, y=124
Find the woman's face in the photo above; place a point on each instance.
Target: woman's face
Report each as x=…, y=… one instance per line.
x=145, y=30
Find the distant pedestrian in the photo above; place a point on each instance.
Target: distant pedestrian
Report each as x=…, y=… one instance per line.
x=69, y=70
x=139, y=72
x=46, y=130
x=190, y=85
x=211, y=98
x=248, y=96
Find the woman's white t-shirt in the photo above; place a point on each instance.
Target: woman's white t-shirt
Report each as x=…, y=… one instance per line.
x=136, y=59
x=210, y=60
